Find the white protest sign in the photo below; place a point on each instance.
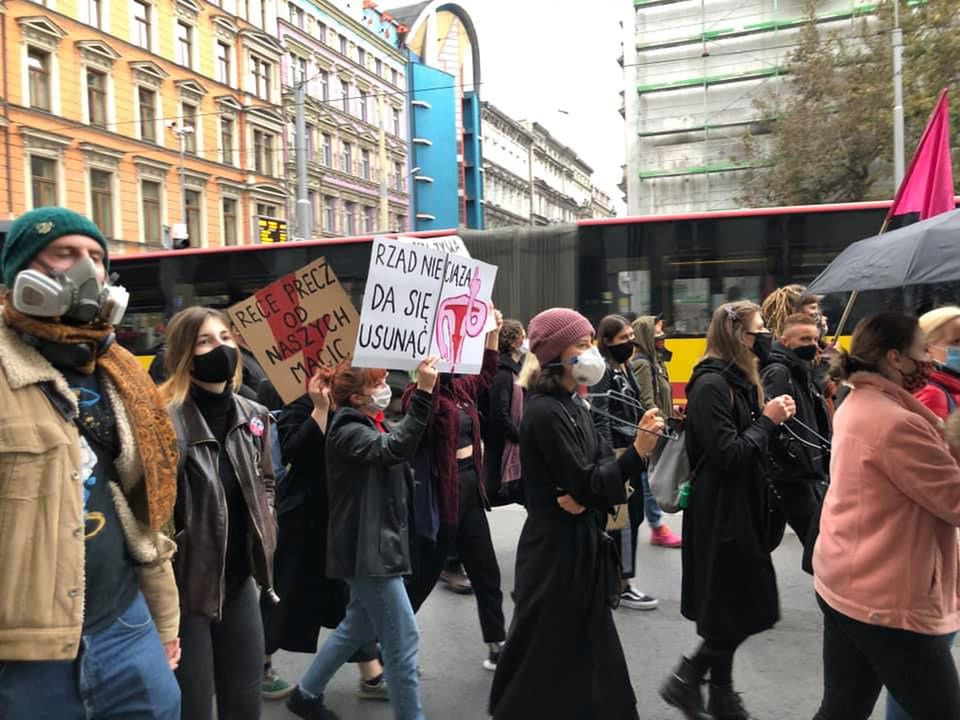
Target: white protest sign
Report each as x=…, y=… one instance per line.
x=464, y=315
x=420, y=302
x=399, y=305
x=445, y=243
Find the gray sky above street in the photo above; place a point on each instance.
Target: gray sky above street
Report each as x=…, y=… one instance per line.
x=542, y=57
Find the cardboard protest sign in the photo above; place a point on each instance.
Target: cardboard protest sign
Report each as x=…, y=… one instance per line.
x=446, y=243
x=421, y=302
x=297, y=324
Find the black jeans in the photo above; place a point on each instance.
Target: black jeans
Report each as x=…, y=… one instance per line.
x=223, y=660
x=475, y=548
x=858, y=659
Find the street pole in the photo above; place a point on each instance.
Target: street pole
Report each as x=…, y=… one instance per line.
x=304, y=211
x=898, y=129
x=384, y=201
x=183, y=175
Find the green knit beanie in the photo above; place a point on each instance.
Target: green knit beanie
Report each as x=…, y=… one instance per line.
x=33, y=231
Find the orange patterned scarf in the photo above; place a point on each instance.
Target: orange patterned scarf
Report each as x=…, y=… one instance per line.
x=152, y=428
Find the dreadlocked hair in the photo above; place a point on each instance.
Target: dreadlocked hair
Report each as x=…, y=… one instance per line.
x=781, y=304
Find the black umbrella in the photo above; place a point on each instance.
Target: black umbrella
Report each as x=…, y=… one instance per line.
x=919, y=254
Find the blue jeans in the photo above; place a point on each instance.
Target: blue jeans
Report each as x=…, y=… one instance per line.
x=121, y=672
x=650, y=507
x=379, y=609
x=894, y=711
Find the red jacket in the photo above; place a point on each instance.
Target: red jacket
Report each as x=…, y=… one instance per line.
x=934, y=395
x=444, y=430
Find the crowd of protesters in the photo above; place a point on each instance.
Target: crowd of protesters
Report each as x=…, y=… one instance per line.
x=161, y=541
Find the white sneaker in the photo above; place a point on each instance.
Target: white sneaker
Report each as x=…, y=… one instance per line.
x=636, y=600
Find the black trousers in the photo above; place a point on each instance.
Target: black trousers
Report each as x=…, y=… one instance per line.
x=473, y=544
x=475, y=548
x=223, y=660
x=858, y=659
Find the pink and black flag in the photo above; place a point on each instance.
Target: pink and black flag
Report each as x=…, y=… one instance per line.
x=927, y=188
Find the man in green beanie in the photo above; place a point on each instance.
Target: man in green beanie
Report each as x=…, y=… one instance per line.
x=89, y=610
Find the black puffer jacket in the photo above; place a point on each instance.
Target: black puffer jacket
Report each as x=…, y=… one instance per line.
x=368, y=485
x=793, y=460
x=200, y=514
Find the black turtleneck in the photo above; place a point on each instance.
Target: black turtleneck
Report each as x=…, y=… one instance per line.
x=218, y=410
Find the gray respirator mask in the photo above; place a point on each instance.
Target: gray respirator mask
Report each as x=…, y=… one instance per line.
x=75, y=296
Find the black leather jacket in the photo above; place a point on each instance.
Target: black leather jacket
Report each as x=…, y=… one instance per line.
x=200, y=514
x=368, y=484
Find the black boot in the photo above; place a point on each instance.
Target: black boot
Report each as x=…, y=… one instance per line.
x=682, y=691
x=725, y=704
x=309, y=708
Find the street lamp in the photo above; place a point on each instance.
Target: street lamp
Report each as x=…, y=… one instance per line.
x=181, y=131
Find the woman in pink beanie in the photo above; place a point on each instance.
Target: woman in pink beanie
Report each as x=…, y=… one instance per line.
x=563, y=657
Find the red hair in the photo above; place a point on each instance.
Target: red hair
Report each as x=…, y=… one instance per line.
x=345, y=381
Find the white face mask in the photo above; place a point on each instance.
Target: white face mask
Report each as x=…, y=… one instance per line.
x=589, y=367
x=381, y=397
x=524, y=347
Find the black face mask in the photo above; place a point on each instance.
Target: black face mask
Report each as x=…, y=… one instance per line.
x=762, y=342
x=807, y=353
x=216, y=366
x=622, y=352
x=665, y=355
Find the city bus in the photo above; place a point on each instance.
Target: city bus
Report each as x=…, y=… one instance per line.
x=679, y=266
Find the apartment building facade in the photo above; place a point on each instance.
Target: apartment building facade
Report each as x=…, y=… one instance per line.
x=100, y=94
x=356, y=119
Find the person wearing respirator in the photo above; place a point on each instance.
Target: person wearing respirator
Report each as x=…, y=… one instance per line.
x=563, y=658
x=88, y=467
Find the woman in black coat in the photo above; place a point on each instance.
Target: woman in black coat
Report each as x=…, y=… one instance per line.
x=563, y=659
x=729, y=586
x=500, y=428
x=309, y=600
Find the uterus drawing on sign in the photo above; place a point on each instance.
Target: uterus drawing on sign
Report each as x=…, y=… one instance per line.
x=459, y=318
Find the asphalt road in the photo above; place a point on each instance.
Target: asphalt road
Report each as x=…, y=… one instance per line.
x=779, y=672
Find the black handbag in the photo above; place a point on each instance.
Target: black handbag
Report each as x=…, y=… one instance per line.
x=610, y=570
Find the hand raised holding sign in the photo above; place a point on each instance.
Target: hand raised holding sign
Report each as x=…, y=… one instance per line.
x=319, y=391
x=427, y=374
x=493, y=337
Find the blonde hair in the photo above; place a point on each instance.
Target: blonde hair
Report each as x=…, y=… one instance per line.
x=781, y=304
x=728, y=326
x=181, y=343
x=933, y=322
x=530, y=367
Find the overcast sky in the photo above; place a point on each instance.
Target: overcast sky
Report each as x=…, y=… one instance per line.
x=575, y=45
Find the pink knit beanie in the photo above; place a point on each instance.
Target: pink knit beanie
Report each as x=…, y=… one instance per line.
x=554, y=330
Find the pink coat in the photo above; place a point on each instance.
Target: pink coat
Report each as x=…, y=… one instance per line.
x=887, y=552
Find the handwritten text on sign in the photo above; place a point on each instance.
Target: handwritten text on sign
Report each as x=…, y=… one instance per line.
x=302, y=321
x=444, y=243
x=420, y=301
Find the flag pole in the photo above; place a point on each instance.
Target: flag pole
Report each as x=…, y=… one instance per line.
x=900, y=189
